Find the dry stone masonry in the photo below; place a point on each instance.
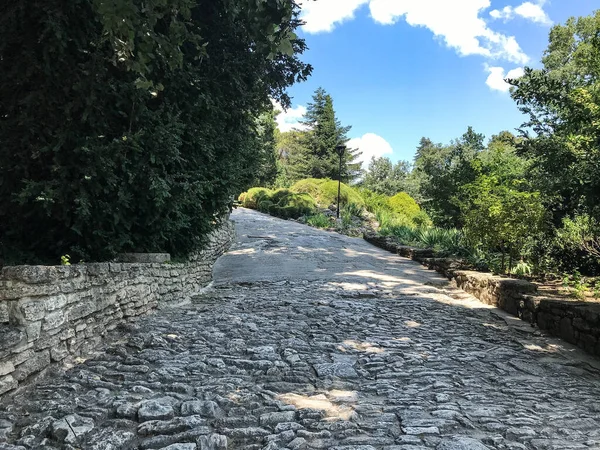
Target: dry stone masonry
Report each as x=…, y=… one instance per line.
x=576, y=322
x=48, y=313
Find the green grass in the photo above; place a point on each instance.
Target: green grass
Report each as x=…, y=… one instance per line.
x=319, y=221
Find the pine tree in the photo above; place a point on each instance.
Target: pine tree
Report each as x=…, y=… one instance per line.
x=325, y=133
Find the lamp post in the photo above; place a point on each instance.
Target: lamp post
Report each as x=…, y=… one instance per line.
x=340, y=149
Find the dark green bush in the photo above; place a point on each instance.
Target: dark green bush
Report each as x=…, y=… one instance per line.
x=121, y=130
x=279, y=195
x=254, y=196
x=281, y=203
x=265, y=206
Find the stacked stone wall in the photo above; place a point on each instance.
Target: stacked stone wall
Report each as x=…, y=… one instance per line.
x=50, y=313
x=575, y=322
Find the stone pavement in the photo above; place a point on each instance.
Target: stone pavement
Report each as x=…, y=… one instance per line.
x=312, y=340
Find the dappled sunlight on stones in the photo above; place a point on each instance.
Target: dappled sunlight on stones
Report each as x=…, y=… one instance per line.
x=333, y=411
x=361, y=347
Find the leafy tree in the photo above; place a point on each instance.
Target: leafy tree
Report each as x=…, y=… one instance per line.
x=384, y=177
x=562, y=100
x=501, y=159
x=442, y=171
x=502, y=216
x=324, y=134
x=129, y=126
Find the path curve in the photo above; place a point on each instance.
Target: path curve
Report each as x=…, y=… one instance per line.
x=313, y=340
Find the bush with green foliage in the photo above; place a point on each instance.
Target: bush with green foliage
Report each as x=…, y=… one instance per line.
x=129, y=128
x=293, y=206
x=373, y=201
x=325, y=192
x=281, y=203
x=251, y=198
x=354, y=210
x=319, y=220
x=502, y=216
x=404, y=204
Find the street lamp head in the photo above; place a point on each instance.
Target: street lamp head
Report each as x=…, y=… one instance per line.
x=340, y=149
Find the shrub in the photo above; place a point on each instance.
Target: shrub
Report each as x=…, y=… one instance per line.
x=279, y=195
x=252, y=198
x=281, y=203
x=354, y=210
x=309, y=186
x=373, y=201
x=422, y=220
x=405, y=234
x=388, y=220
x=319, y=221
x=404, y=204
x=116, y=135
x=265, y=205
x=444, y=240
x=298, y=205
x=325, y=192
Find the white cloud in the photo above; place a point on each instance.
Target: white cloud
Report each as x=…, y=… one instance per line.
x=497, y=76
x=528, y=10
x=457, y=22
x=290, y=119
x=370, y=145
x=321, y=16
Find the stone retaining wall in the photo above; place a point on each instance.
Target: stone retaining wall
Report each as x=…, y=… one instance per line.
x=48, y=313
x=575, y=322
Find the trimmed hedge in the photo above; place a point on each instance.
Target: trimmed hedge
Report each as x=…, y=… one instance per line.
x=325, y=192
x=252, y=198
x=281, y=203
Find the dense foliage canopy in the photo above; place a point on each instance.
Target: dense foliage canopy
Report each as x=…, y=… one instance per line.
x=130, y=125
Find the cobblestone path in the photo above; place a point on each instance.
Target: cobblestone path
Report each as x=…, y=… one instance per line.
x=311, y=340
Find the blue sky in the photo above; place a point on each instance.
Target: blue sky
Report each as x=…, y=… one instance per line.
x=402, y=69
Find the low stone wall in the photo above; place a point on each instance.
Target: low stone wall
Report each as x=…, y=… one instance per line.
x=48, y=313
x=575, y=322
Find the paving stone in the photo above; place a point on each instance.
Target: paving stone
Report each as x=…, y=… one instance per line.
x=275, y=418
x=72, y=428
x=180, y=447
x=461, y=443
x=310, y=340
x=212, y=442
x=109, y=439
x=155, y=410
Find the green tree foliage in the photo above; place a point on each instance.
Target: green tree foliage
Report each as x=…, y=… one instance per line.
x=502, y=216
x=500, y=158
x=562, y=100
x=292, y=158
x=384, y=177
x=129, y=125
x=319, y=142
x=266, y=152
x=441, y=171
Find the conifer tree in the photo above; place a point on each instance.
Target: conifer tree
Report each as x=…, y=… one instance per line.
x=325, y=133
